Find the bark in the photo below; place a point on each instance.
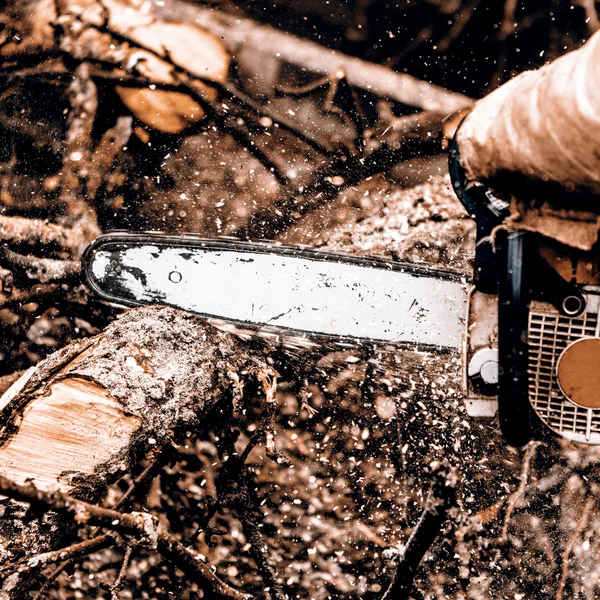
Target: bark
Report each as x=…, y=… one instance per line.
x=536, y=138
x=77, y=420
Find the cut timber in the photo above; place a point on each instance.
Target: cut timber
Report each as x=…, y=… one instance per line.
x=80, y=412
x=76, y=420
x=80, y=422
x=134, y=41
x=240, y=34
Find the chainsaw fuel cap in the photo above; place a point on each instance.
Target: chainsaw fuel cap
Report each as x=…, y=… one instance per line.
x=578, y=372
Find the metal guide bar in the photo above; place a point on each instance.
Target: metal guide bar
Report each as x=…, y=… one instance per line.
x=284, y=288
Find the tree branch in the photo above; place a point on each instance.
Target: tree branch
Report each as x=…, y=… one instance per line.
x=441, y=498
x=240, y=33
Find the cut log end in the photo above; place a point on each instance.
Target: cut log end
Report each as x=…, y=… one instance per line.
x=128, y=387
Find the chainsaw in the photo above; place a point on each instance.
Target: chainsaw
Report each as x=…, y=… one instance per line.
x=526, y=323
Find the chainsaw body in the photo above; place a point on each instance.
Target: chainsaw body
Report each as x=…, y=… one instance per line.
x=531, y=338
x=533, y=332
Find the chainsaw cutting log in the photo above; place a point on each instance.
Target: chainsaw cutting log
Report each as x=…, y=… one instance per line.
x=76, y=421
x=536, y=137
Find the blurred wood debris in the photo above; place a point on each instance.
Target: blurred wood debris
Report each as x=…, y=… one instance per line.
x=98, y=98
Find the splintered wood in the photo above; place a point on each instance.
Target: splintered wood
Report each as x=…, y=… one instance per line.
x=79, y=425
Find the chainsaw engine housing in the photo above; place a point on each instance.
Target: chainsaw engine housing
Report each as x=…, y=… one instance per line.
x=563, y=378
x=533, y=334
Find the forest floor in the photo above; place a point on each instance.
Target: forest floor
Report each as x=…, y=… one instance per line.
x=347, y=422
x=360, y=431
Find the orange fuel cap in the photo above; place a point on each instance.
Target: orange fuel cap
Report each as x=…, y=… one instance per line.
x=578, y=372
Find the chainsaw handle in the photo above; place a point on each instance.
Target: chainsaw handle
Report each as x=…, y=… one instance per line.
x=477, y=198
x=514, y=297
x=502, y=271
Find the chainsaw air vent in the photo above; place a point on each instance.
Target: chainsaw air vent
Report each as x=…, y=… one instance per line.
x=549, y=334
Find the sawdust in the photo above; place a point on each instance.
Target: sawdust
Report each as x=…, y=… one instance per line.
x=425, y=224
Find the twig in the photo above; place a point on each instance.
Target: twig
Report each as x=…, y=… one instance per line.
x=138, y=524
x=106, y=152
x=35, y=232
x=260, y=553
x=441, y=498
x=530, y=452
x=304, y=90
x=581, y=523
x=77, y=163
x=237, y=491
x=50, y=580
x=340, y=99
x=226, y=92
x=44, y=270
x=339, y=175
x=508, y=22
x=269, y=383
x=460, y=22
x=153, y=456
x=188, y=80
x=63, y=554
x=118, y=584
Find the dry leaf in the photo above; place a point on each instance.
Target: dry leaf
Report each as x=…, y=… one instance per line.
x=169, y=112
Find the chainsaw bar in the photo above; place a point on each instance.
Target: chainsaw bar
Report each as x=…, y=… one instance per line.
x=282, y=289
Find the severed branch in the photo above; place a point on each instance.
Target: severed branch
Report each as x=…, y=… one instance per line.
x=142, y=526
x=68, y=553
x=441, y=498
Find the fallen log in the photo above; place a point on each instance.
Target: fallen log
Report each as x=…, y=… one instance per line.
x=78, y=420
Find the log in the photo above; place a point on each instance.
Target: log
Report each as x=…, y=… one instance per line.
x=77, y=420
x=241, y=34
